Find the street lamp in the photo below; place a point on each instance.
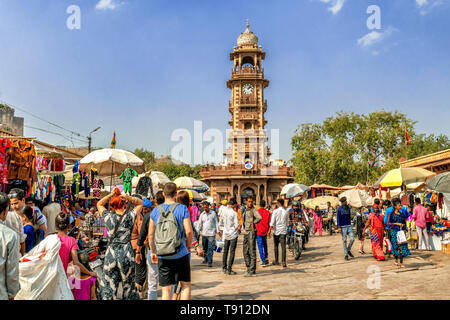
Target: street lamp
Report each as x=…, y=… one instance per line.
x=90, y=138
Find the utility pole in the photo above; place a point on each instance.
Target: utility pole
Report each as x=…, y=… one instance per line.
x=89, y=137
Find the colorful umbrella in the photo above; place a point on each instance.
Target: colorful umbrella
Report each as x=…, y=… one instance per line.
x=293, y=190
x=440, y=183
x=397, y=177
x=194, y=195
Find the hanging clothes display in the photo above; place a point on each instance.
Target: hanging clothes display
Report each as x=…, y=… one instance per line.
x=59, y=181
x=127, y=176
x=5, y=144
x=76, y=182
x=21, y=161
x=94, y=183
x=87, y=190
x=144, y=186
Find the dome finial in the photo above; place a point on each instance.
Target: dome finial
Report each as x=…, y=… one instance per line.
x=248, y=24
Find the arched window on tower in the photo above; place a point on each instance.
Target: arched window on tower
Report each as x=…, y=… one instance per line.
x=248, y=64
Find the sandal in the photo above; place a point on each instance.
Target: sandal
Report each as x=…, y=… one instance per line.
x=396, y=263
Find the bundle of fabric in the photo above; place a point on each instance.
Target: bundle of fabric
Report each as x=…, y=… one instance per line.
x=438, y=229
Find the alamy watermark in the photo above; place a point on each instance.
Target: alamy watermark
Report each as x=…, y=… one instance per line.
x=207, y=146
x=74, y=19
x=374, y=279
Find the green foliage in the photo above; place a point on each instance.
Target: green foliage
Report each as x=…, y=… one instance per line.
x=147, y=156
x=336, y=152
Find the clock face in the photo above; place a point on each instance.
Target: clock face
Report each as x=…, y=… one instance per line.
x=247, y=88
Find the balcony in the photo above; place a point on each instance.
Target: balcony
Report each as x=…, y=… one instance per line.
x=251, y=100
x=247, y=116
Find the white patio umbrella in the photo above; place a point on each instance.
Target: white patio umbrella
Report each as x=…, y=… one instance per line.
x=191, y=184
x=357, y=198
x=111, y=162
x=293, y=190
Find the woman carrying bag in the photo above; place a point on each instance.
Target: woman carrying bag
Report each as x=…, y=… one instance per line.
x=396, y=222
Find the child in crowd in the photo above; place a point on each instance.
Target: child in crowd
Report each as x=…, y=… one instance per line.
x=69, y=247
x=83, y=286
x=28, y=228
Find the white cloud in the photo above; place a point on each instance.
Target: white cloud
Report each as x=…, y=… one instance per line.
x=107, y=5
x=421, y=3
x=374, y=37
x=425, y=6
x=335, y=5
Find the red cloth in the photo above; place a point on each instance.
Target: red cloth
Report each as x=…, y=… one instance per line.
x=377, y=228
x=262, y=228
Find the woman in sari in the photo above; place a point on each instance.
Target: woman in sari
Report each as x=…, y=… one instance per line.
x=317, y=221
x=396, y=222
x=375, y=222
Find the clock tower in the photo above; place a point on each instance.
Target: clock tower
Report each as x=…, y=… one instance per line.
x=248, y=138
x=247, y=171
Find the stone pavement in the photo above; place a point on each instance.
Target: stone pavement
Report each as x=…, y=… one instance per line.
x=322, y=273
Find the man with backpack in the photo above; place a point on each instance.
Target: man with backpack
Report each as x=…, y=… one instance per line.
x=170, y=237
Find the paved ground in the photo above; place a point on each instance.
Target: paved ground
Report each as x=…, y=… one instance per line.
x=322, y=273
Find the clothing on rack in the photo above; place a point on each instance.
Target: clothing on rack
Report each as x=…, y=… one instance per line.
x=21, y=161
x=5, y=144
x=59, y=181
x=144, y=186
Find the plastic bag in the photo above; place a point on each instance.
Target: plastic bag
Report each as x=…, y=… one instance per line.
x=41, y=273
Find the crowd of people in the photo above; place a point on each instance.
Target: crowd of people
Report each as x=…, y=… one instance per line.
x=149, y=241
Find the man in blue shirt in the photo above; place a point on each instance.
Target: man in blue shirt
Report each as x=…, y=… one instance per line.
x=344, y=222
x=177, y=266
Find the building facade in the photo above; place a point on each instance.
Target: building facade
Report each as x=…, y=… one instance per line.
x=248, y=170
x=9, y=122
x=438, y=162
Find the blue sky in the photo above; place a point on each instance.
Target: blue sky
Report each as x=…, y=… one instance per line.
x=147, y=67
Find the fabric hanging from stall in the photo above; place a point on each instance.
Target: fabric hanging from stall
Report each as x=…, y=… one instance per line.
x=21, y=164
x=5, y=144
x=59, y=181
x=144, y=186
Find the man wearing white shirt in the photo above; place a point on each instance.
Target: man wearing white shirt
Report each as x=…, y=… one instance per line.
x=230, y=223
x=208, y=227
x=279, y=225
x=14, y=219
x=9, y=254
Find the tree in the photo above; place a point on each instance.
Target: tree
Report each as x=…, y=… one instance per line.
x=170, y=169
x=337, y=151
x=147, y=156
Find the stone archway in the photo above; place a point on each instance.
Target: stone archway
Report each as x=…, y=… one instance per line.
x=248, y=190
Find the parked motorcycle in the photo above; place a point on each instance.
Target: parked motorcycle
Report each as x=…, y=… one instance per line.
x=299, y=239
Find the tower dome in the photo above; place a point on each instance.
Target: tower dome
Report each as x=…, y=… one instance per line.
x=247, y=37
